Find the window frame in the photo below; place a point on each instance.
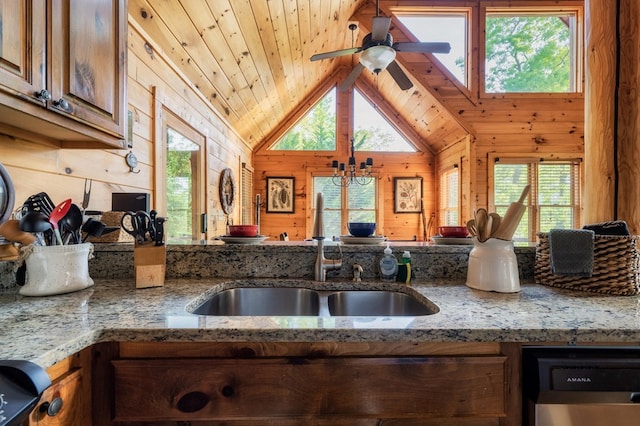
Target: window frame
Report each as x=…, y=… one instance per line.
x=533, y=207
x=445, y=11
x=506, y=7
x=198, y=192
x=443, y=207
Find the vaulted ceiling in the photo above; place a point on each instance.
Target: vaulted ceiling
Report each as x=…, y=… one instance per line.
x=250, y=58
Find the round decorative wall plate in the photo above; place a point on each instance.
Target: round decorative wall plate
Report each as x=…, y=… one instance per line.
x=227, y=190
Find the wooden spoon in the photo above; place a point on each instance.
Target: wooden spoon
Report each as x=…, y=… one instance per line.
x=481, y=218
x=471, y=227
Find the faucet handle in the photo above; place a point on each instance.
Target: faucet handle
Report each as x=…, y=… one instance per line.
x=357, y=270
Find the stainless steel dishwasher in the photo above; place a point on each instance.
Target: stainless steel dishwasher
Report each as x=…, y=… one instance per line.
x=581, y=386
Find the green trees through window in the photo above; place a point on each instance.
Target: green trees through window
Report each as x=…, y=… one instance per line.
x=316, y=131
x=530, y=53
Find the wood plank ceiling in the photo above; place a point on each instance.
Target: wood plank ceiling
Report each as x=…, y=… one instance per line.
x=250, y=58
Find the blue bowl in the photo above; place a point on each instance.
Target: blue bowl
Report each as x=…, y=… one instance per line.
x=361, y=229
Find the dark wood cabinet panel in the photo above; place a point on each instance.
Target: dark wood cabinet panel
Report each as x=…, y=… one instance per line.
x=305, y=388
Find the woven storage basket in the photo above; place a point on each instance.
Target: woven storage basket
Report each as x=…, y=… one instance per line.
x=616, y=265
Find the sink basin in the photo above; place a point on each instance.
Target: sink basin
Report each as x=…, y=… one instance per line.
x=376, y=303
x=256, y=301
x=296, y=301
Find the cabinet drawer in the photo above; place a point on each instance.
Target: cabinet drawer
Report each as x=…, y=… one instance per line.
x=399, y=387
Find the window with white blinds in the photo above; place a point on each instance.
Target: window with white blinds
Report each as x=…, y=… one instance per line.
x=450, y=198
x=554, y=200
x=355, y=203
x=246, y=205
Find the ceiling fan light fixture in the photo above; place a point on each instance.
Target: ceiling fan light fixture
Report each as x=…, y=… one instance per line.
x=377, y=58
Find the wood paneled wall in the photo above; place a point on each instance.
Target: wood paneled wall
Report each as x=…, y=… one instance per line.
x=62, y=172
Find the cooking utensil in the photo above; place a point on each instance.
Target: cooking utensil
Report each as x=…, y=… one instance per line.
x=38, y=202
x=159, y=237
x=92, y=228
x=38, y=224
x=481, y=217
x=71, y=224
x=35, y=221
x=424, y=220
x=512, y=216
x=495, y=223
x=87, y=193
x=58, y=213
x=471, y=227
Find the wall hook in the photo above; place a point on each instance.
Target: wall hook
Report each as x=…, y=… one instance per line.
x=132, y=162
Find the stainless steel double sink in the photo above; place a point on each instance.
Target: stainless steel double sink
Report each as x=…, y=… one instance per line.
x=294, y=301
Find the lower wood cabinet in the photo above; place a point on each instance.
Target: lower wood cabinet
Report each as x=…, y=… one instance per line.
x=461, y=390
x=68, y=400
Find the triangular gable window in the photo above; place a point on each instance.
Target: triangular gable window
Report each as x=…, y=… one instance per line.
x=372, y=131
x=316, y=131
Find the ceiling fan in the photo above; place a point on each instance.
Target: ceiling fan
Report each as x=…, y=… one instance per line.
x=378, y=52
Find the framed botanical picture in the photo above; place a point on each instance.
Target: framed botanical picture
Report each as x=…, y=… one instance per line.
x=407, y=194
x=280, y=194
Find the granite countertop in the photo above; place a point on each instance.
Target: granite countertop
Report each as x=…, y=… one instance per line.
x=45, y=330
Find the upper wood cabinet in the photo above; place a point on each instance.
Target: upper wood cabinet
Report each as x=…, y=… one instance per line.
x=63, y=71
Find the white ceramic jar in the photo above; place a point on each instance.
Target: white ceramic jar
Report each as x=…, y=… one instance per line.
x=493, y=266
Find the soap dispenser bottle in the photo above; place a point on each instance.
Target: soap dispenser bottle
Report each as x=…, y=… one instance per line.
x=388, y=266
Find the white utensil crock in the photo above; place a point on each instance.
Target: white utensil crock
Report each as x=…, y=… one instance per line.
x=493, y=266
x=57, y=269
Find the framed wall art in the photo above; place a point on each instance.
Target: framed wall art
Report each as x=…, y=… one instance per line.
x=407, y=194
x=280, y=194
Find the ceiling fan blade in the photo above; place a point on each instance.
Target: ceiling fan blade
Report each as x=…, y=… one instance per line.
x=423, y=47
x=351, y=78
x=399, y=76
x=380, y=28
x=335, y=53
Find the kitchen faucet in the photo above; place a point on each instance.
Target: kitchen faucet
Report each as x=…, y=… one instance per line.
x=322, y=264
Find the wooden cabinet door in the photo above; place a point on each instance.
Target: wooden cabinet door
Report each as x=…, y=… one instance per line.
x=74, y=411
x=88, y=62
x=23, y=48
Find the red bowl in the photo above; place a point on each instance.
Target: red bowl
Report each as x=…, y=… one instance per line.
x=453, y=231
x=243, y=230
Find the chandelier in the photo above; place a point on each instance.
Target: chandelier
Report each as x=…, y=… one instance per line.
x=345, y=176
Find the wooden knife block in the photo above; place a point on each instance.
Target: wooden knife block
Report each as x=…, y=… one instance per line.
x=150, y=264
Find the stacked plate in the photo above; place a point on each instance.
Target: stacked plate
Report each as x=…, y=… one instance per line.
x=451, y=241
x=373, y=239
x=243, y=240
